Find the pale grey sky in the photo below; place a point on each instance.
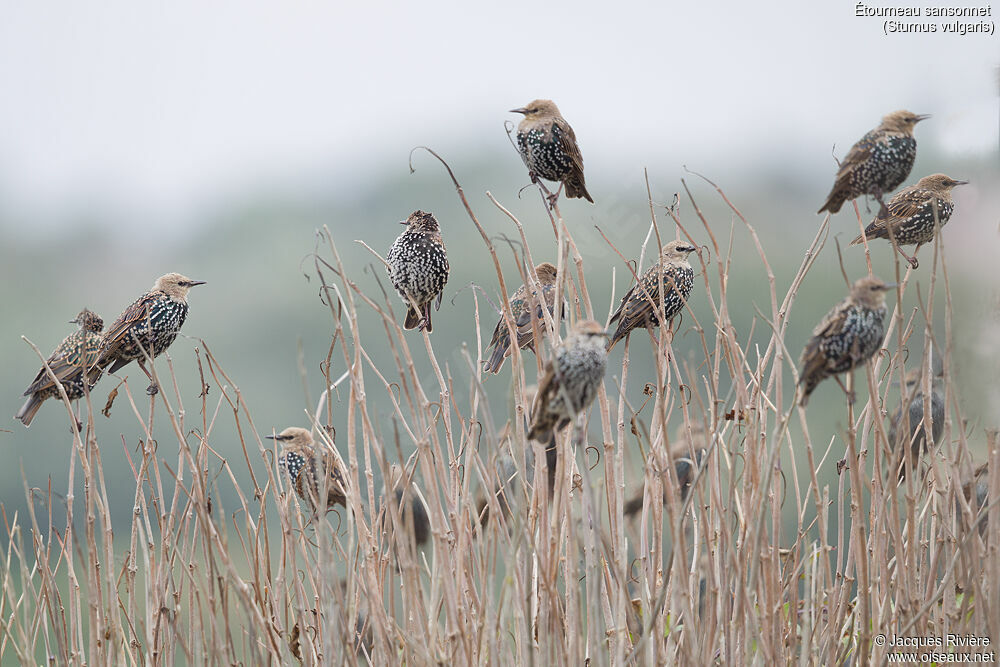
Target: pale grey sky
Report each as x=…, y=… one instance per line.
x=130, y=107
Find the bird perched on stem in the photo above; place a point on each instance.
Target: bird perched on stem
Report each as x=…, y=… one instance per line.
x=418, y=268
x=571, y=380
x=848, y=336
x=311, y=472
x=148, y=326
x=69, y=362
x=685, y=467
x=672, y=277
x=527, y=314
x=878, y=163
x=411, y=509
x=908, y=430
x=548, y=147
x=910, y=217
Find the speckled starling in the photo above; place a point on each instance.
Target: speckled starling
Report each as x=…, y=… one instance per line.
x=977, y=494
x=878, y=163
x=150, y=324
x=914, y=438
x=848, y=336
x=571, y=380
x=548, y=147
x=418, y=268
x=521, y=310
x=310, y=471
x=640, y=304
x=68, y=362
x=685, y=467
x=909, y=217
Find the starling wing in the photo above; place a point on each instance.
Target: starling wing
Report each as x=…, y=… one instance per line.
x=119, y=332
x=575, y=186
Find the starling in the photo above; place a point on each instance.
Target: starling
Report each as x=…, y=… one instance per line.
x=640, y=304
x=909, y=218
x=418, y=268
x=148, y=326
x=549, y=150
x=848, y=336
x=68, y=362
x=411, y=508
x=523, y=312
x=977, y=494
x=571, y=380
x=878, y=163
x=684, y=466
x=916, y=435
x=310, y=471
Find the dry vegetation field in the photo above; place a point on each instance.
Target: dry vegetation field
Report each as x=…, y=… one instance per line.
x=759, y=563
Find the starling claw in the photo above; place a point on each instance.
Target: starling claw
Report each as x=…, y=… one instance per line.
x=153, y=389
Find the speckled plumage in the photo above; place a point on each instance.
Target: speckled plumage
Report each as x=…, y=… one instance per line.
x=674, y=273
x=521, y=310
x=914, y=439
x=418, y=268
x=152, y=323
x=69, y=361
x=571, y=380
x=910, y=214
x=306, y=466
x=548, y=147
x=878, y=163
x=848, y=336
x=685, y=467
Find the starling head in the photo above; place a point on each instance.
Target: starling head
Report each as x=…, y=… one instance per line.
x=293, y=436
x=870, y=292
x=588, y=330
x=939, y=183
x=676, y=251
x=89, y=321
x=538, y=109
x=175, y=286
x=421, y=222
x=902, y=121
x=546, y=273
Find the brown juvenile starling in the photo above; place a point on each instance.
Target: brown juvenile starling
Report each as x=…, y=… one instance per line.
x=640, y=304
x=418, y=268
x=909, y=218
x=878, y=163
x=523, y=309
x=571, y=380
x=151, y=323
x=848, y=336
x=914, y=435
x=549, y=149
x=68, y=362
x=310, y=471
x=684, y=466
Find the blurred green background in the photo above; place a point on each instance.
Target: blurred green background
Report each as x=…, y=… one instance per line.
x=214, y=144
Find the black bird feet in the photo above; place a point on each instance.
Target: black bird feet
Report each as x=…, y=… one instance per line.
x=153, y=389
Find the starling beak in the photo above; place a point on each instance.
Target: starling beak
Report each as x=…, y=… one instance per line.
x=151, y=323
x=72, y=359
x=571, y=380
x=640, y=304
x=848, y=336
x=909, y=218
x=525, y=311
x=310, y=472
x=418, y=268
x=878, y=163
x=548, y=147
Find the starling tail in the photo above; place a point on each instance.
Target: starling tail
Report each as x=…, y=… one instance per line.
x=418, y=268
x=878, y=163
x=548, y=147
x=525, y=310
